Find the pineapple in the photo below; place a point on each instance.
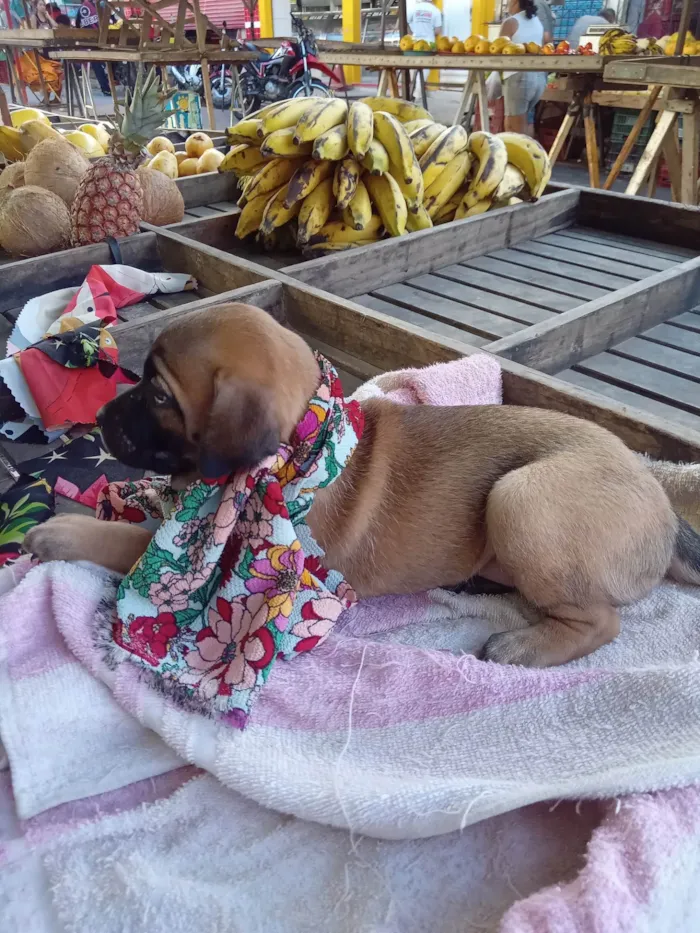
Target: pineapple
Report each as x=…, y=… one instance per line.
x=109, y=199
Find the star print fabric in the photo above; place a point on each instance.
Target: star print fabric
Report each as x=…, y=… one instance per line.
x=80, y=469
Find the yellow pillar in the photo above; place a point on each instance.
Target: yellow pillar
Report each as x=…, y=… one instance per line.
x=482, y=13
x=434, y=73
x=267, y=29
x=352, y=32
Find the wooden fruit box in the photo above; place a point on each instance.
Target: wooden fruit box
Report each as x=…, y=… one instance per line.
x=219, y=233
x=363, y=342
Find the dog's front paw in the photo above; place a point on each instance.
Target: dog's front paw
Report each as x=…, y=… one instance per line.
x=64, y=537
x=510, y=648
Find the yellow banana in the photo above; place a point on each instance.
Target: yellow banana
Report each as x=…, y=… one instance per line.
x=423, y=138
x=491, y=152
x=276, y=214
x=338, y=232
x=35, y=131
x=271, y=176
x=281, y=145
x=245, y=131
x=447, y=211
x=289, y=113
x=360, y=129
x=441, y=152
x=512, y=183
x=251, y=216
x=315, y=211
x=413, y=193
x=414, y=125
x=10, y=143
x=358, y=213
x=390, y=203
x=447, y=183
x=377, y=159
x=528, y=155
x=394, y=138
x=403, y=110
x=347, y=175
x=313, y=123
x=480, y=207
x=333, y=144
x=306, y=179
x=242, y=159
x=418, y=220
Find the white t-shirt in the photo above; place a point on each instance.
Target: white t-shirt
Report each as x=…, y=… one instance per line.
x=424, y=19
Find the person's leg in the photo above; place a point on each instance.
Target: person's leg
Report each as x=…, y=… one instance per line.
x=101, y=75
x=515, y=103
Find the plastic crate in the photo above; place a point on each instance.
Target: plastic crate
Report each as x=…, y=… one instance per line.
x=624, y=120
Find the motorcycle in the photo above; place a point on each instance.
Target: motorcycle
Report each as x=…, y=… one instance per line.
x=187, y=77
x=288, y=72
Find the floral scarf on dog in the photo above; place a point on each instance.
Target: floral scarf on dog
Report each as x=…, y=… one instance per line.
x=226, y=586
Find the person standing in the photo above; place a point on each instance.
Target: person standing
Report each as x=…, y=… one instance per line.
x=546, y=17
x=425, y=21
x=87, y=17
x=603, y=18
x=522, y=89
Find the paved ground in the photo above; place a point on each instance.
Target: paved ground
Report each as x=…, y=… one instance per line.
x=442, y=105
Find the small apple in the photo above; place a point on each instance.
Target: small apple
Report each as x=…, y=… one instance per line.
x=160, y=144
x=164, y=162
x=210, y=161
x=197, y=144
x=188, y=167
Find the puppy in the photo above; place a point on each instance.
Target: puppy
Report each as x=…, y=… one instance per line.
x=555, y=505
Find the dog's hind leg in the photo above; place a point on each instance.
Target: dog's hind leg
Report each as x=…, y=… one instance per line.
x=578, y=544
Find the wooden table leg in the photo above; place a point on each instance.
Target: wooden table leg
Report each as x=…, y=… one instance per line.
x=653, y=148
x=113, y=87
x=483, y=97
x=628, y=144
x=672, y=155
x=690, y=157
x=592, y=154
x=464, y=99
x=423, y=91
x=563, y=132
x=653, y=178
x=383, y=82
x=4, y=110
x=206, y=78
x=394, y=82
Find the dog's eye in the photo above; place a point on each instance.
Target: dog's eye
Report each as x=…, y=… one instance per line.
x=160, y=397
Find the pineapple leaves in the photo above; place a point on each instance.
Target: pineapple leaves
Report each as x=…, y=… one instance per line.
x=143, y=110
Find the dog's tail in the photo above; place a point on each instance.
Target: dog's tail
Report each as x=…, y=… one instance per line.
x=685, y=565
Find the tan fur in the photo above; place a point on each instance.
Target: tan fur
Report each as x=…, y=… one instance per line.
x=432, y=495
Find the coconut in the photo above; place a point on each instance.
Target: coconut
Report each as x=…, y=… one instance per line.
x=57, y=166
x=33, y=221
x=162, y=201
x=11, y=178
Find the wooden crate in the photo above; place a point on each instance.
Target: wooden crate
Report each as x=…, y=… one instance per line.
x=640, y=344
x=363, y=342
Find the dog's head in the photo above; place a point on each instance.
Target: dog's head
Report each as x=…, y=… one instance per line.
x=221, y=389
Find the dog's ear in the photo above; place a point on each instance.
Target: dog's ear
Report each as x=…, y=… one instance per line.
x=241, y=428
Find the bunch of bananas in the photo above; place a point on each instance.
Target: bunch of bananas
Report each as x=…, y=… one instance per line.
x=618, y=42
x=327, y=177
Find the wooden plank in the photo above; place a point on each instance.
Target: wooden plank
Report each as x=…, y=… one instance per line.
x=646, y=380
x=627, y=397
x=688, y=320
x=28, y=278
x=388, y=344
x=691, y=157
x=203, y=211
x=211, y=267
x=532, y=294
x=564, y=64
x=523, y=275
x=502, y=305
x=216, y=231
x=421, y=320
x=579, y=274
x=135, y=338
x=225, y=207
x=600, y=324
x=557, y=254
x=451, y=312
x=608, y=251
x=672, y=336
x=660, y=357
x=637, y=244
x=642, y=71
x=199, y=190
x=660, y=221
x=371, y=267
